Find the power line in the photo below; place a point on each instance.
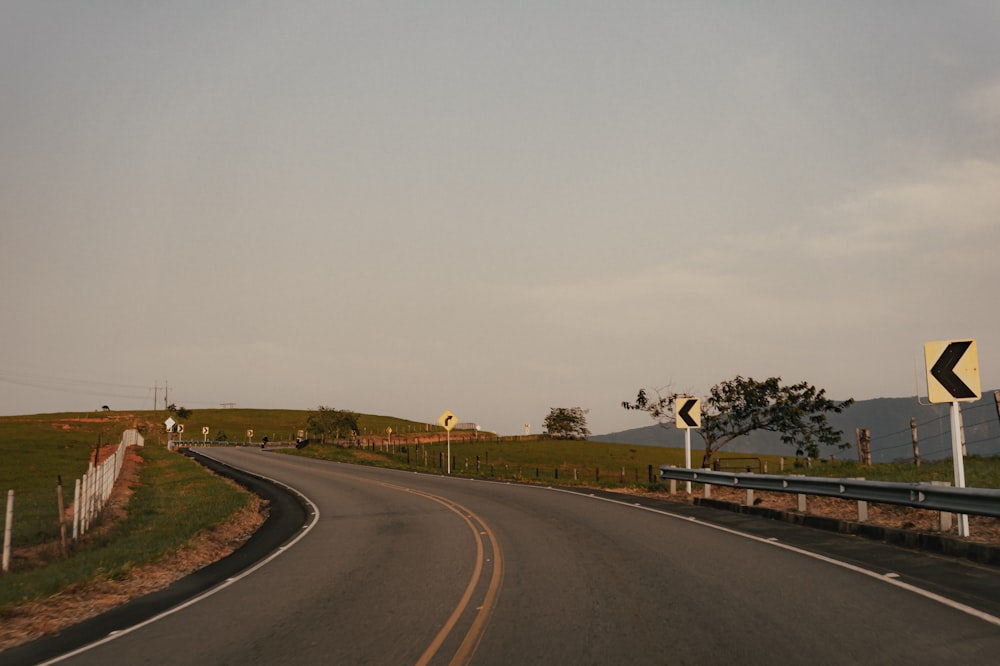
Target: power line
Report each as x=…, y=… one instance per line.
x=75, y=386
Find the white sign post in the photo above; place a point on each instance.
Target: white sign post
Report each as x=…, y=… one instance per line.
x=953, y=376
x=170, y=423
x=688, y=416
x=448, y=421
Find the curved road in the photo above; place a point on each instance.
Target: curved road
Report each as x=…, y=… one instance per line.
x=403, y=568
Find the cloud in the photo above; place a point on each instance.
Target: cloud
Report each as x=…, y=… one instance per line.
x=983, y=104
x=954, y=203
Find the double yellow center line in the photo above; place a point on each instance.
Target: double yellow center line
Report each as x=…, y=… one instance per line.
x=481, y=532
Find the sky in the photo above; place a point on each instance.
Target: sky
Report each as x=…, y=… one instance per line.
x=492, y=208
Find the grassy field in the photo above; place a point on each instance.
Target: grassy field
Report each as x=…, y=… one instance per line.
x=614, y=465
x=177, y=498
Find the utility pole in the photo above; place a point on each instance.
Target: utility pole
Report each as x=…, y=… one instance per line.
x=156, y=388
x=166, y=393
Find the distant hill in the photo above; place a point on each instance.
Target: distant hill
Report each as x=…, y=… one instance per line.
x=888, y=419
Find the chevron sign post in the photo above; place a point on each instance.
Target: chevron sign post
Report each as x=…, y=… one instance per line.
x=688, y=416
x=953, y=376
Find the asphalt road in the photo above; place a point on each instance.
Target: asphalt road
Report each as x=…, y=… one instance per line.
x=403, y=568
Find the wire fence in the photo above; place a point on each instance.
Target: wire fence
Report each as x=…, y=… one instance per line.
x=934, y=436
x=40, y=518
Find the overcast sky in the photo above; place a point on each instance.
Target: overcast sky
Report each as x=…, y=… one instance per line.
x=491, y=207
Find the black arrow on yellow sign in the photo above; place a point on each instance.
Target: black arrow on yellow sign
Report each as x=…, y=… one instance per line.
x=684, y=413
x=944, y=370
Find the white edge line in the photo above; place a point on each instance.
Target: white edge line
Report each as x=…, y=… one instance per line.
x=211, y=591
x=950, y=603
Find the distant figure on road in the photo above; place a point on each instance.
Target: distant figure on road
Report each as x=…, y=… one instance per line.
x=263, y=442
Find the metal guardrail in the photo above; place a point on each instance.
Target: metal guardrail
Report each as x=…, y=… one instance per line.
x=971, y=501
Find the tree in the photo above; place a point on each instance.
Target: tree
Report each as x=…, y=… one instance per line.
x=567, y=423
x=181, y=412
x=741, y=405
x=334, y=422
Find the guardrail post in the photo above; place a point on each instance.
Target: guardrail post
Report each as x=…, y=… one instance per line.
x=749, y=496
x=862, y=504
x=708, y=490
x=944, y=517
x=802, y=503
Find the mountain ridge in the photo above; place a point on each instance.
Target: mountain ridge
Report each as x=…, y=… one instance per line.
x=888, y=419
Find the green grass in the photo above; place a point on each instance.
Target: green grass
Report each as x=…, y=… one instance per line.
x=175, y=499
x=596, y=463
x=979, y=472
x=521, y=458
x=276, y=424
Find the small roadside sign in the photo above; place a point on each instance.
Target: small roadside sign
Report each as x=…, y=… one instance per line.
x=448, y=420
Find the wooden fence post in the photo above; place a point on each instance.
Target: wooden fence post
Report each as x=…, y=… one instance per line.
x=8, y=526
x=916, y=449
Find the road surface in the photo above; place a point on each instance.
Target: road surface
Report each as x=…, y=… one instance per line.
x=401, y=568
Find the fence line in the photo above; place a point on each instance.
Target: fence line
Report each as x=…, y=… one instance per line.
x=90, y=494
x=92, y=490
